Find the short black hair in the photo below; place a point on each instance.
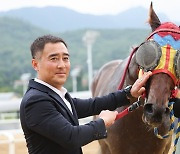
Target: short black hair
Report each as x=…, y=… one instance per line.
x=40, y=42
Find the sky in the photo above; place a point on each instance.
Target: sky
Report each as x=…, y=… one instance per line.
x=99, y=7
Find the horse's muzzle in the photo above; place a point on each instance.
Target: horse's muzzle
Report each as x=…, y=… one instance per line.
x=155, y=115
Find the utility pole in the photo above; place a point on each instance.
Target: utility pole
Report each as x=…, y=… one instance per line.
x=89, y=39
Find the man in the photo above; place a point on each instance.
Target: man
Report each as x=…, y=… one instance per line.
x=49, y=116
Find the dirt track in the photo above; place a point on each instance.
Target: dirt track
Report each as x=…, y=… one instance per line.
x=20, y=146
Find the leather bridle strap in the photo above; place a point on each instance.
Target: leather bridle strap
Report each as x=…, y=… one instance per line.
x=163, y=30
x=125, y=71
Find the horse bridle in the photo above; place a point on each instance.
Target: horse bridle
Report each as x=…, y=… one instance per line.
x=173, y=94
x=134, y=51
x=163, y=30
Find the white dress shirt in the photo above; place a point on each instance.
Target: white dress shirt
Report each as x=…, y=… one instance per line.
x=60, y=92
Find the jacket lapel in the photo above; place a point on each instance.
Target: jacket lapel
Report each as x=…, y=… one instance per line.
x=43, y=88
x=60, y=100
x=69, y=99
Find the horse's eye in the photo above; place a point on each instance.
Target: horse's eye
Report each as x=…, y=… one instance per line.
x=148, y=55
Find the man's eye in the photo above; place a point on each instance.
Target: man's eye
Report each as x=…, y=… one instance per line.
x=66, y=58
x=54, y=58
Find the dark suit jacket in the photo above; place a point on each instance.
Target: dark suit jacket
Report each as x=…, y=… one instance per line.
x=50, y=128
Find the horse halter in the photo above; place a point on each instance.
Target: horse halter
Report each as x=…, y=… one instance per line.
x=161, y=54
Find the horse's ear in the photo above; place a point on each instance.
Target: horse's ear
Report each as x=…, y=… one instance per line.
x=153, y=18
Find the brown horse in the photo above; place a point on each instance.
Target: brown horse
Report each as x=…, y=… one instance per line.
x=133, y=134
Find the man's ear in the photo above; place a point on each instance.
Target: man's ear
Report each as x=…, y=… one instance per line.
x=35, y=64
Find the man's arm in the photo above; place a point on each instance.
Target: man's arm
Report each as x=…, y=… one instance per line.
x=43, y=118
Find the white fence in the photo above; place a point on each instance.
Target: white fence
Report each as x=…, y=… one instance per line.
x=11, y=140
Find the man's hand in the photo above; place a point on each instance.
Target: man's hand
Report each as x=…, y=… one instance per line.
x=137, y=88
x=108, y=117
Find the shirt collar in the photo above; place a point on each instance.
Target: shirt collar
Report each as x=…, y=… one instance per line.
x=61, y=92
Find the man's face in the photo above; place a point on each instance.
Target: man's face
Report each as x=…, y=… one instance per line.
x=53, y=64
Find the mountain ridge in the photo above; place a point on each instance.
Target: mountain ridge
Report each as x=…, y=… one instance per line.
x=61, y=19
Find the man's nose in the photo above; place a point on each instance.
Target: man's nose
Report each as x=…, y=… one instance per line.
x=61, y=63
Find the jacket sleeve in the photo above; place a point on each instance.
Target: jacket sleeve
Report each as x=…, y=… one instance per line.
x=42, y=117
x=93, y=106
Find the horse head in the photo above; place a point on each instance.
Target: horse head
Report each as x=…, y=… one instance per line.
x=160, y=53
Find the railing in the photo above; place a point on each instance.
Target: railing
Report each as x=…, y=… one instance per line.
x=8, y=138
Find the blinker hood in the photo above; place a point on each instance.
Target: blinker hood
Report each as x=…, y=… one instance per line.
x=160, y=55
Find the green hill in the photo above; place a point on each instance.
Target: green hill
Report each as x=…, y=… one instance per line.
x=17, y=35
x=15, y=56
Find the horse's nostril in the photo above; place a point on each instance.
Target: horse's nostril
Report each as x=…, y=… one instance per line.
x=148, y=108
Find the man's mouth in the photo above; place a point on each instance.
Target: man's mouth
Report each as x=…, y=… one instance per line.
x=60, y=73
